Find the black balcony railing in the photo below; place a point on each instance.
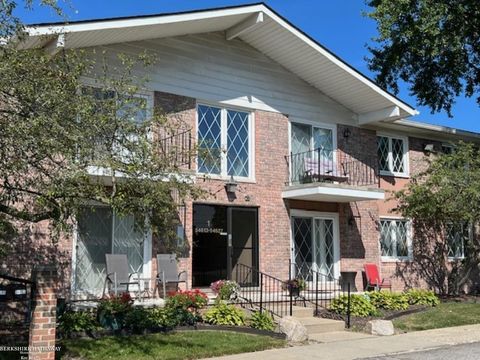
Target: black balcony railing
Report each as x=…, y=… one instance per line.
x=331, y=167
x=177, y=148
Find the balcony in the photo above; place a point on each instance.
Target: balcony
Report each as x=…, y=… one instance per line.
x=333, y=176
x=175, y=150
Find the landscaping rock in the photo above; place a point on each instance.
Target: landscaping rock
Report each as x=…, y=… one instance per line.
x=294, y=330
x=380, y=327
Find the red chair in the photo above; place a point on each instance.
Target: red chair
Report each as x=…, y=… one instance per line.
x=374, y=281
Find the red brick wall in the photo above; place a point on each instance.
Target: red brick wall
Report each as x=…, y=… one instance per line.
x=359, y=234
x=271, y=145
x=43, y=323
x=399, y=271
x=34, y=245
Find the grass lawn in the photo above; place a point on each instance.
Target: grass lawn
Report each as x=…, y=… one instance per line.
x=179, y=345
x=444, y=315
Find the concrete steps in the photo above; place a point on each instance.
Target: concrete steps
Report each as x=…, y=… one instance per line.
x=317, y=325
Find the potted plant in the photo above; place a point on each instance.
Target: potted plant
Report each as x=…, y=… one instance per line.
x=225, y=289
x=111, y=311
x=294, y=286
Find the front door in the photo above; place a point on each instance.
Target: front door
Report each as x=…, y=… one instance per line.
x=223, y=238
x=315, y=247
x=243, y=234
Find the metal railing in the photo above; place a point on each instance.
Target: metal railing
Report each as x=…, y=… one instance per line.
x=331, y=166
x=263, y=292
x=321, y=289
x=177, y=148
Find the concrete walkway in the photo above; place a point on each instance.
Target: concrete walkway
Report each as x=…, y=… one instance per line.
x=362, y=347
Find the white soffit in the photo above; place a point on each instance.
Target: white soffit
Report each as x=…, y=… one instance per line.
x=260, y=27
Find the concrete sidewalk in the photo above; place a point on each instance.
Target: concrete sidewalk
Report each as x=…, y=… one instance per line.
x=370, y=346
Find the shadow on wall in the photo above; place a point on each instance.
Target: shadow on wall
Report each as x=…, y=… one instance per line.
x=432, y=267
x=33, y=247
x=352, y=246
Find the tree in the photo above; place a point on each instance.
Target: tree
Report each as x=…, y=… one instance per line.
x=55, y=130
x=432, y=45
x=442, y=201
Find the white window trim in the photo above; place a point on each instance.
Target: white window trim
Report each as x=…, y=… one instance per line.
x=336, y=235
x=394, y=239
x=406, y=164
x=223, y=142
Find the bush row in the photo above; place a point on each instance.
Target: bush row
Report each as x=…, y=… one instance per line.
x=181, y=308
x=370, y=303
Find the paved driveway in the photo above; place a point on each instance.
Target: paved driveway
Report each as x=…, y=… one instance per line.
x=463, y=352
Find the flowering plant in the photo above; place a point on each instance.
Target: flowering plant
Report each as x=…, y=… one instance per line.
x=111, y=311
x=116, y=303
x=191, y=300
x=225, y=289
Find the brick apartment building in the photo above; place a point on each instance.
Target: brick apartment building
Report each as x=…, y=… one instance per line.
x=303, y=151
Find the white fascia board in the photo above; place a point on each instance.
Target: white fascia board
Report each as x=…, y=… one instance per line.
x=128, y=23
x=390, y=113
x=340, y=63
x=244, y=26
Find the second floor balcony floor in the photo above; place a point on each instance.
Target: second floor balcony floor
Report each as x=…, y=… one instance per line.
x=332, y=176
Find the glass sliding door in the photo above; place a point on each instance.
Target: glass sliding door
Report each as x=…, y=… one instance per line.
x=312, y=149
x=101, y=232
x=324, y=247
x=302, y=247
x=315, y=247
x=94, y=240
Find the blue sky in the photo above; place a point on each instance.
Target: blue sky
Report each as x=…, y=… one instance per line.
x=338, y=25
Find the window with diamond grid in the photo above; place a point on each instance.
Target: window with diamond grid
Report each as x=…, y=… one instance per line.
x=392, y=155
x=457, y=235
x=209, y=139
x=394, y=238
x=224, y=141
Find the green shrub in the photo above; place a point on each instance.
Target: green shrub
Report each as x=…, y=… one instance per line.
x=139, y=319
x=262, y=321
x=77, y=321
x=388, y=300
x=223, y=314
x=359, y=306
x=422, y=297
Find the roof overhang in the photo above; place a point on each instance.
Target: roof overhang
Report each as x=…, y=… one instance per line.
x=257, y=25
x=332, y=193
x=428, y=131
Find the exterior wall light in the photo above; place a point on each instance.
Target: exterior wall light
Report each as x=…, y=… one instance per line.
x=428, y=148
x=231, y=186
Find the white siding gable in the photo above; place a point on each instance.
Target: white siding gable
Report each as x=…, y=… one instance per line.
x=209, y=68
